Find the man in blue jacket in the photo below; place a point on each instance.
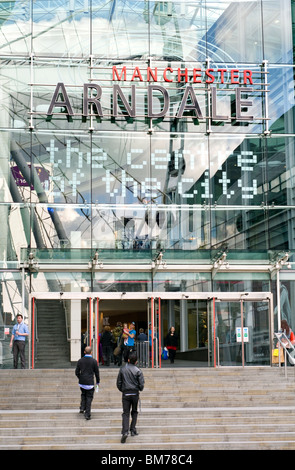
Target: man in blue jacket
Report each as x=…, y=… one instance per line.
x=86, y=369
x=129, y=345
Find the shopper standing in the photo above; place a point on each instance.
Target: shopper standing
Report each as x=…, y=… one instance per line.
x=107, y=345
x=20, y=332
x=171, y=343
x=117, y=334
x=130, y=382
x=129, y=343
x=86, y=369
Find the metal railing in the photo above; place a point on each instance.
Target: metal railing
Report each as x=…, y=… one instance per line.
x=143, y=352
x=288, y=348
x=218, y=351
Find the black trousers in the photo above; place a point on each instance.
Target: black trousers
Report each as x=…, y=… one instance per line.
x=172, y=354
x=130, y=403
x=19, y=349
x=107, y=353
x=86, y=401
x=126, y=351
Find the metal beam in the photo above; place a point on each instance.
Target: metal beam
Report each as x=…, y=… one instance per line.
x=148, y=267
x=218, y=296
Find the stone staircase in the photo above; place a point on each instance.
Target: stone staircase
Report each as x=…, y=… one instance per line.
x=181, y=409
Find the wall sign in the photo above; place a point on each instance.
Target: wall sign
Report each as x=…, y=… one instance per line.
x=245, y=334
x=193, y=85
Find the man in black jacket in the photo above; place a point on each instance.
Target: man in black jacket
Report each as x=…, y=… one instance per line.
x=86, y=369
x=130, y=382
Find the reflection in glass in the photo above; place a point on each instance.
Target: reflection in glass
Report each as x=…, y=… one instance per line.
x=179, y=167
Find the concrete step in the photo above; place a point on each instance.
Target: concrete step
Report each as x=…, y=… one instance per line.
x=39, y=388
x=231, y=431
x=191, y=409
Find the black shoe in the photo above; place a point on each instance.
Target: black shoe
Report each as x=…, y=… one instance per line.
x=87, y=417
x=134, y=433
x=82, y=411
x=123, y=438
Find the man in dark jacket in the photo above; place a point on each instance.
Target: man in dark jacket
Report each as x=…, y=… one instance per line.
x=86, y=369
x=130, y=382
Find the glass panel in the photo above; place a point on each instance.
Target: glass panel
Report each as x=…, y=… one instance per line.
x=181, y=282
x=15, y=93
x=281, y=99
x=287, y=300
x=131, y=169
x=190, y=320
x=121, y=170
x=61, y=282
x=234, y=229
x=258, y=343
x=179, y=170
x=234, y=30
x=122, y=229
x=152, y=177
x=279, y=165
x=15, y=30
x=47, y=77
x=197, y=321
x=55, y=26
x=12, y=302
x=247, y=282
x=67, y=228
x=12, y=239
x=177, y=26
x=237, y=171
x=68, y=163
x=227, y=320
x=120, y=29
x=227, y=93
x=277, y=39
x=254, y=347
x=122, y=282
x=171, y=315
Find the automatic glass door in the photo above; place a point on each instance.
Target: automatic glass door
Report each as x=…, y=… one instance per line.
x=241, y=332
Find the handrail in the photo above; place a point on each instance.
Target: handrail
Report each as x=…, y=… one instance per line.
x=280, y=336
x=66, y=320
x=33, y=333
x=142, y=348
x=218, y=351
x=36, y=323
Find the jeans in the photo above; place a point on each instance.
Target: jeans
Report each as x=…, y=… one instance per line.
x=129, y=402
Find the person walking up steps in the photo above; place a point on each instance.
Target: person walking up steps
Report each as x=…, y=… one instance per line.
x=86, y=369
x=130, y=382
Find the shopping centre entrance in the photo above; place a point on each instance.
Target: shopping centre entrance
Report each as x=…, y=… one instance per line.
x=214, y=329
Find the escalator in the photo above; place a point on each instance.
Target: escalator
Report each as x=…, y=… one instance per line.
x=52, y=347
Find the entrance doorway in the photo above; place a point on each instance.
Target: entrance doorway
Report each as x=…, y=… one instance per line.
x=213, y=329
x=113, y=311
x=242, y=331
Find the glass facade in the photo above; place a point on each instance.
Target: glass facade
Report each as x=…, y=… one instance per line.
x=141, y=141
